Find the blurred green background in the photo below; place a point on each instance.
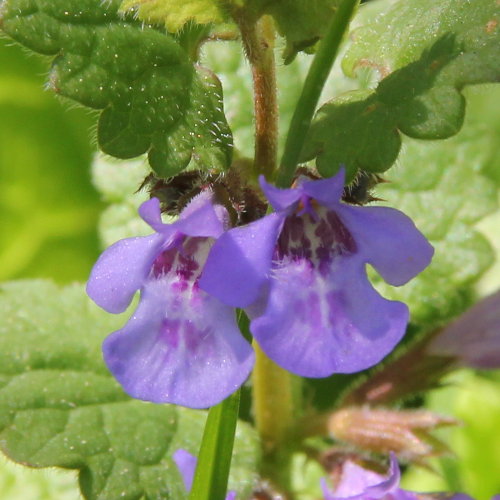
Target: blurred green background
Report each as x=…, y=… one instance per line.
x=48, y=211
x=49, y=218
x=49, y=208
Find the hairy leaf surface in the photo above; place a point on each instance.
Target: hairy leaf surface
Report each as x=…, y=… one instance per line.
x=442, y=187
x=149, y=91
x=425, y=52
x=174, y=14
x=59, y=406
x=301, y=23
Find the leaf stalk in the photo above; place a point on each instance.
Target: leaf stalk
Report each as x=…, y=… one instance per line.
x=216, y=450
x=258, y=40
x=311, y=92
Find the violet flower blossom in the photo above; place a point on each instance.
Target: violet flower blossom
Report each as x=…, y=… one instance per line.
x=181, y=345
x=357, y=483
x=300, y=272
x=186, y=463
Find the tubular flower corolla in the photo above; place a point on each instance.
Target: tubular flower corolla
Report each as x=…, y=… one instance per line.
x=181, y=345
x=357, y=483
x=300, y=272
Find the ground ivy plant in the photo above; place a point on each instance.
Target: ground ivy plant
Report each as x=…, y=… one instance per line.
x=292, y=247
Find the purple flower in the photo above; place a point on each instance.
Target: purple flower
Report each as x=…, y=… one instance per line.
x=181, y=345
x=357, y=483
x=301, y=274
x=186, y=463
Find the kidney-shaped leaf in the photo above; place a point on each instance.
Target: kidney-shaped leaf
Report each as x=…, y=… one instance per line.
x=60, y=407
x=141, y=78
x=425, y=52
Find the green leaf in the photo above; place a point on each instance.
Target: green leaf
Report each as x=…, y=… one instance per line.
x=140, y=77
x=442, y=187
x=314, y=84
x=426, y=52
x=202, y=139
x=60, y=407
x=174, y=14
x=301, y=23
x=228, y=61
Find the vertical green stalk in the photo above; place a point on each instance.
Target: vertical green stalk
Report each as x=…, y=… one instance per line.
x=275, y=402
x=275, y=396
x=313, y=86
x=273, y=388
x=216, y=451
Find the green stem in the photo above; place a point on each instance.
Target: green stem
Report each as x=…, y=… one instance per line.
x=274, y=401
x=214, y=458
x=313, y=86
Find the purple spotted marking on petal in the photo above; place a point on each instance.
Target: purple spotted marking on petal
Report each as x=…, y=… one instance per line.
x=324, y=233
x=186, y=258
x=163, y=263
x=296, y=225
x=318, y=239
x=344, y=242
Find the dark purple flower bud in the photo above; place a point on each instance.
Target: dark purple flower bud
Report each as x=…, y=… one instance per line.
x=181, y=345
x=301, y=274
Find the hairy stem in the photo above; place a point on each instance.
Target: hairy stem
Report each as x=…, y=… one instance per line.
x=313, y=86
x=258, y=40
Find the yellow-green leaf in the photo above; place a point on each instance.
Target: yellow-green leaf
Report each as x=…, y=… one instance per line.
x=174, y=14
